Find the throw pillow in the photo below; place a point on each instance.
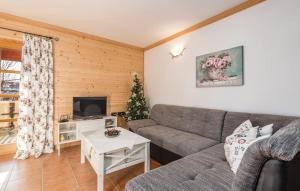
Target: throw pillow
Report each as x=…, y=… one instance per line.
x=243, y=136
x=247, y=125
x=266, y=130
x=236, y=144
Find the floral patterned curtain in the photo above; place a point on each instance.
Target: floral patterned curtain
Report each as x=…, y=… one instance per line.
x=35, y=121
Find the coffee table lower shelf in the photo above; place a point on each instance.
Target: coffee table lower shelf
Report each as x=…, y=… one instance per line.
x=112, y=161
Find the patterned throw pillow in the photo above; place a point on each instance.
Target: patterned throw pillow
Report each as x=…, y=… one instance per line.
x=242, y=137
x=247, y=125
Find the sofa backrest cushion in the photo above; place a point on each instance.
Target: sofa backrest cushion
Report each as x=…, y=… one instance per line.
x=204, y=122
x=234, y=119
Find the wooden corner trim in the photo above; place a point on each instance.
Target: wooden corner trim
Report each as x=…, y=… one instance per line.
x=220, y=16
x=65, y=30
x=208, y=21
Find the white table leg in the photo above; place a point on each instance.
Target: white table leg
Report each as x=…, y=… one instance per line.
x=147, y=157
x=82, y=156
x=100, y=173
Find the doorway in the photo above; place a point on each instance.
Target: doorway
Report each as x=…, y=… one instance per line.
x=10, y=66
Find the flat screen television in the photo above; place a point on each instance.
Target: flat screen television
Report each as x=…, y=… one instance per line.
x=89, y=106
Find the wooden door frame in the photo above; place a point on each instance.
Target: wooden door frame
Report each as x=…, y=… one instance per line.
x=14, y=45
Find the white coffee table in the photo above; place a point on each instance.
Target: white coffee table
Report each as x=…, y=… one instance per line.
x=107, y=155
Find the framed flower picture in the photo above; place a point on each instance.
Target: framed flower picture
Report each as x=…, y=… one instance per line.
x=222, y=68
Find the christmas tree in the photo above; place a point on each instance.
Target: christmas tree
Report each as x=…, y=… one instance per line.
x=136, y=108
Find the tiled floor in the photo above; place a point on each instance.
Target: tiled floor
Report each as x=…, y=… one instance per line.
x=64, y=173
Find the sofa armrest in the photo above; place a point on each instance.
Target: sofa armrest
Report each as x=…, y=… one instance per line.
x=282, y=146
x=273, y=176
x=249, y=169
x=134, y=125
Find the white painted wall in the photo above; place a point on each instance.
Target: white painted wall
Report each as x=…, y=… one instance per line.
x=270, y=34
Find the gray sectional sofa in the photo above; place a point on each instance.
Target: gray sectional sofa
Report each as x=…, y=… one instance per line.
x=196, y=136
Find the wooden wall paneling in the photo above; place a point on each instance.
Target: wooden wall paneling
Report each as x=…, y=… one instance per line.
x=84, y=65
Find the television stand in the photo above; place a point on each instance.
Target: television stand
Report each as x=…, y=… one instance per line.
x=78, y=117
x=70, y=131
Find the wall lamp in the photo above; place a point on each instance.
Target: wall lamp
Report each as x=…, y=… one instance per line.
x=177, y=51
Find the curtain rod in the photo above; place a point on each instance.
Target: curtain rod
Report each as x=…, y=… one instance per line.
x=50, y=37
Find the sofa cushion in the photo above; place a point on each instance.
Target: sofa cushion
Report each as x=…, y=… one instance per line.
x=234, y=119
x=156, y=133
x=186, y=143
x=215, y=153
x=204, y=122
x=176, y=141
x=134, y=125
x=203, y=171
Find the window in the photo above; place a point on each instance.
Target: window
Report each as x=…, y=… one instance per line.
x=10, y=65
